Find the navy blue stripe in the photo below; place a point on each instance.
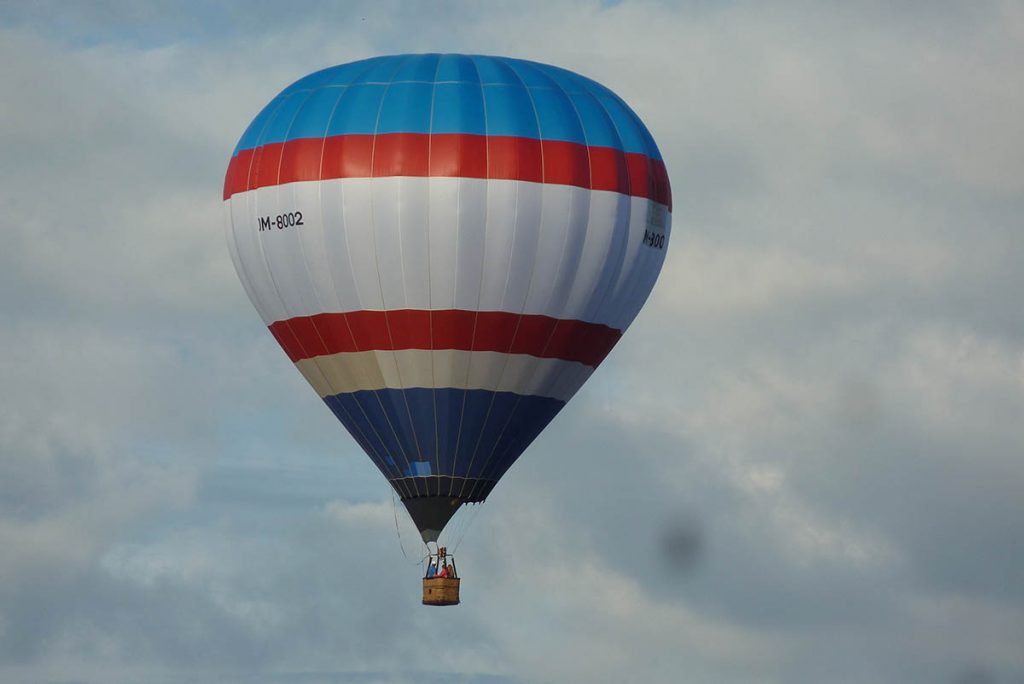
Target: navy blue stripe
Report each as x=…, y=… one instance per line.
x=462, y=433
x=450, y=94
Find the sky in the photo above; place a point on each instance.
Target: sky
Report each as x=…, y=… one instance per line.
x=804, y=462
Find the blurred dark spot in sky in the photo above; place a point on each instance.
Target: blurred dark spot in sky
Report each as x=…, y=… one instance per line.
x=975, y=674
x=681, y=545
x=859, y=404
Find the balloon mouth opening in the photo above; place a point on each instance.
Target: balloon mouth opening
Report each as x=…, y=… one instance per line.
x=431, y=514
x=438, y=499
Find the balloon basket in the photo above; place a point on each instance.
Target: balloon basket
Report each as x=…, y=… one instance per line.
x=440, y=591
x=441, y=583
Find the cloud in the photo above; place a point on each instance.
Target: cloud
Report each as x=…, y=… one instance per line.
x=801, y=463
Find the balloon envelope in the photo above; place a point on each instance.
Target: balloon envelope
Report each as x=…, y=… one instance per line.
x=446, y=246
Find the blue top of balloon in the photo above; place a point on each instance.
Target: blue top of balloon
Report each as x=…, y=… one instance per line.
x=467, y=94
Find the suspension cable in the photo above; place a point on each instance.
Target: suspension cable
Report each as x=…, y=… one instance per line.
x=394, y=511
x=470, y=519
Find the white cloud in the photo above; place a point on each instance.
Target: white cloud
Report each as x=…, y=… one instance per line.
x=712, y=279
x=824, y=394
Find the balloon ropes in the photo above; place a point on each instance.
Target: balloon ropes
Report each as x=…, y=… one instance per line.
x=446, y=246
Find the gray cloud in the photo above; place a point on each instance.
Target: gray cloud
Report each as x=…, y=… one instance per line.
x=801, y=465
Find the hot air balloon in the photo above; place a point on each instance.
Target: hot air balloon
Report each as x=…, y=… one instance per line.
x=446, y=246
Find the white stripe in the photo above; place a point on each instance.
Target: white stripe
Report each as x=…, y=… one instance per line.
x=406, y=368
x=447, y=243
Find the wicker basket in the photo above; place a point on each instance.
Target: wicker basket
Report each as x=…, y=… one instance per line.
x=440, y=591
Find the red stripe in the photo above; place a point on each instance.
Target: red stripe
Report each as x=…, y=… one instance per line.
x=454, y=154
x=304, y=337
